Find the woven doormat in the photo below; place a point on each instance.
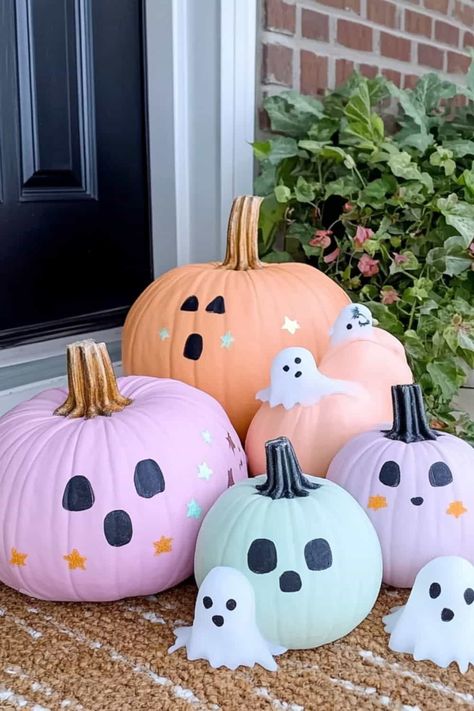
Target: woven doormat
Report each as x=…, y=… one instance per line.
x=96, y=657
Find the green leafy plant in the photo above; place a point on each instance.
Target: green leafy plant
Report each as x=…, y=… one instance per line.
x=384, y=204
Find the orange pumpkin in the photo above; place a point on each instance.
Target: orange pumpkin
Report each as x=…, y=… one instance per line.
x=348, y=393
x=218, y=326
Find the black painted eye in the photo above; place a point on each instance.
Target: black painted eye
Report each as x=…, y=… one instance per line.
x=317, y=554
x=190, y=304
x=349, y=326
x=262, y=556
x=440, y=474
x=231, y=604
x=469, y=596
x=390, y=474
x=148, y=479
x=78, y=494
x=435, y=590
x=298, y=374
x=297, y=360
x=207, y=602
x=217, y=305
x=286, y=368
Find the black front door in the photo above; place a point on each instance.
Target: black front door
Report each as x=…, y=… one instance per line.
x=75, y=246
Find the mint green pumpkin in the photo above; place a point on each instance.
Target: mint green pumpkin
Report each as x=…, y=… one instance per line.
x=307, y=547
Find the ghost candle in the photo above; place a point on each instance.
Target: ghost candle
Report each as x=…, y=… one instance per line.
x=224, y=631
x=437, y=623
x=415, y=484
x=354, y=322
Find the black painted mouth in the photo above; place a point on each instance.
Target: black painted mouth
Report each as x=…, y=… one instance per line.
x=446, y=614
x=118, y=528
x=290, y=581
x=218, y=620
x=417, y=500
x=193, y=346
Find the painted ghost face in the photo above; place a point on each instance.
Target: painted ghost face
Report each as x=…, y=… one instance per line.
x=224, y=630
x=437, y=623
x=354, y=322
x=296, y=380
x=194, y=344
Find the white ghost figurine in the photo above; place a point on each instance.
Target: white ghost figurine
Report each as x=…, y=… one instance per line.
x=354, y=322
x=437, y=623
x=224, y=629
x=296, y=380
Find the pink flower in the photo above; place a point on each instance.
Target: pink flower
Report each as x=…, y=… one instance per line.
x=389, y=296
x=362, y=235
x=471, y=248
x=332, y=257
x=347, y=207
x=368, y=266
x=400, y=258
x=322, y=238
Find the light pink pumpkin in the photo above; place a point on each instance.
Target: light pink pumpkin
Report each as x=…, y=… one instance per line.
x=139, y=482
x=416, y=485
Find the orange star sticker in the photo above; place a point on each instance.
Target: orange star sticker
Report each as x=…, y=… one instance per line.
x=164, y=545
x=456, y=509
x=18, y=558
x=75, y=560
x=377, y=502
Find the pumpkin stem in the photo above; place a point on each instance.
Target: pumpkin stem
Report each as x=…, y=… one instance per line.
x=242, y=235
x=91, y=382
x=409, y=417
x=285, y=479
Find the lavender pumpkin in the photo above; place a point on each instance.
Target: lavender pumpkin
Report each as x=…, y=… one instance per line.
x=416, y=485
x=102, y=492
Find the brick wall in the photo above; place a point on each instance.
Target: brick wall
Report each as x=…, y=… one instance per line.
x=311, y=45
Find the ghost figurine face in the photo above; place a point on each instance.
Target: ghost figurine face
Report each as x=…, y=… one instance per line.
x=354, y=322
x=437, y=623
x=224, y=630
x=296, y=380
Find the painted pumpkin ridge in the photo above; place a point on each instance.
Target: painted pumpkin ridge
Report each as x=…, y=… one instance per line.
x=409, y=416
x=285, y=480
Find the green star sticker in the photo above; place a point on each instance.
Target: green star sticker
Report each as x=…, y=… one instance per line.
x=227, y=340
x=164, y=334
x=194, y=510
x=207, y=437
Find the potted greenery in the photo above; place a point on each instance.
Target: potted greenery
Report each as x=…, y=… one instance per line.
x=386, y=207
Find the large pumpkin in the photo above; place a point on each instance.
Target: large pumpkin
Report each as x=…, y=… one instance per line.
x=218, y=326
x=306, y=546
x=325, y=405
x=416, y=485
x=101, y=497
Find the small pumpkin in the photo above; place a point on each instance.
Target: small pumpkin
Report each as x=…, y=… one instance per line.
x=218, y=326
x=319, y=408
x=306, y=546
x=102, y=492
x=416, y=485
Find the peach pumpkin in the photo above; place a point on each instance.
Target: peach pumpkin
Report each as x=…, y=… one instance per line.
x=324, y=406
x=218, y=326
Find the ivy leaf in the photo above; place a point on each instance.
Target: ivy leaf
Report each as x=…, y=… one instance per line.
x=282, y=193
x=445, y=376
x=276, y=257
x=271, y=214
x=460, y=215
x=460, y=147
x=402, y=166
x=304, y=191
x=261, y=149
x=293, y=113
x=363, y=126
x=312, y=146
x=280, y=148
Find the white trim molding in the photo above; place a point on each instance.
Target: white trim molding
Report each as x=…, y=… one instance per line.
x=201, y=116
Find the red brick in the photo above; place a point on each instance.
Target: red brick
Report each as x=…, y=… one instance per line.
x=437, y=5
x=465, y=13
x=368, y=71
x=354, y=35
x=395, y=47
x=277, y=64
x=353, y=5
x=468, y=40
x=458, y=63
x=446, y=33
x=313, y=73
x=314, y=25
x=418, y=24
x=410, y=81
x=382, y=13
x=280, y=16
x=430, y=56
x=392, y=75
x=344, y=69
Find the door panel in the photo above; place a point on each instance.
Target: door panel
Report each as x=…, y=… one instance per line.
x=74, y=228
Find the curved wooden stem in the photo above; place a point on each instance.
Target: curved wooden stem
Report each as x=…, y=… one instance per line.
x=91, y=382
x=242, y=235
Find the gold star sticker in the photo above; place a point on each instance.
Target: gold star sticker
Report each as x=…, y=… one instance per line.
x=164, y=545
x=75, y=560
x=377, y=502
x=456, y=509
x=18, y=558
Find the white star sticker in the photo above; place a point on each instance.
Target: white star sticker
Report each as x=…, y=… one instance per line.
x=227, y=340
x=290, y=326
x=207, y=437
x=205, y=472
x=164, y=334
